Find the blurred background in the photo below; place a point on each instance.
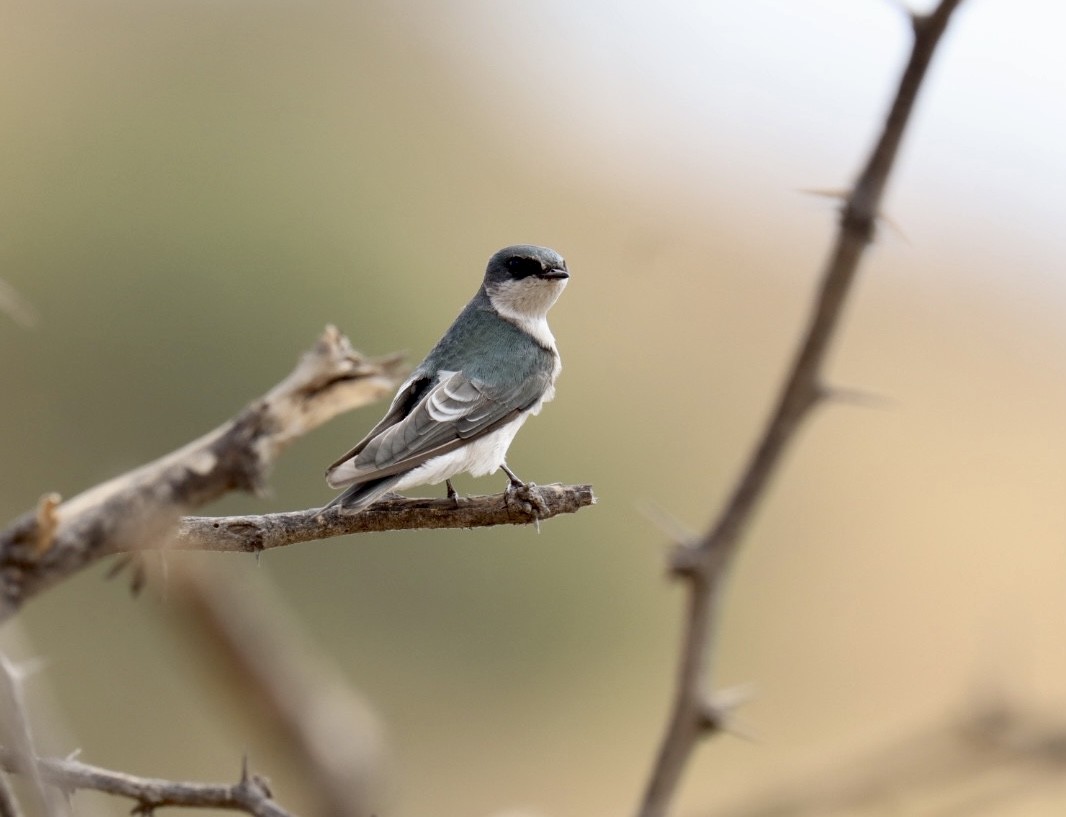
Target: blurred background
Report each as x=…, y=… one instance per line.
x=191, y=190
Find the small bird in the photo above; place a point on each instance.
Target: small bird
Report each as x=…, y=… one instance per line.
x=462, y=406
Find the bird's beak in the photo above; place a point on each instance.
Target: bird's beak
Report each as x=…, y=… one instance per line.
x=553, y=274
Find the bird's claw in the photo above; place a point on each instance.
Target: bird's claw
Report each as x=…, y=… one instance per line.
x=525, y=497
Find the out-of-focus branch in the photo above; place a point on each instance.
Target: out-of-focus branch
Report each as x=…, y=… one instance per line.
x=9, y=807
x=17, y=736
x=330, y=735
x=142, y=508
x=15, y=306
x=703, y=564
x=996, y=754
x=250, y=794
x=255, y=533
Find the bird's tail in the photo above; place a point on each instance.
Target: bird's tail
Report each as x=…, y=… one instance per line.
x=363, y=494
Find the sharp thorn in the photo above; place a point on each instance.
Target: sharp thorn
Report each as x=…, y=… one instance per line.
x=837, y=194
x=894, y=227
x=28, y=668
x=685, y=561
x=856, y=397
x=719, y=711
x=668, y=524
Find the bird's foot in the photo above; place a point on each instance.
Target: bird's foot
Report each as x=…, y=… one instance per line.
x=525, y=497
x=453, y=494
x=515, y=482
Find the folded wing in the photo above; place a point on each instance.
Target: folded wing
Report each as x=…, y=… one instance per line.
x=443, y=417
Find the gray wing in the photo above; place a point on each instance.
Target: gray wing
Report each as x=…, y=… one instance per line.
x=451, y=414
x=407, y=396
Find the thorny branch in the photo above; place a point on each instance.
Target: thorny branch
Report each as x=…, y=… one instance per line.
x=53, y=780
x=703, y=565
x=251, y=794
x=143, y=508
x=995, y=753
x=331, y=738
x=18, y=737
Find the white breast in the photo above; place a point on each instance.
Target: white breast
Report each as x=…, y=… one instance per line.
x=483, y=456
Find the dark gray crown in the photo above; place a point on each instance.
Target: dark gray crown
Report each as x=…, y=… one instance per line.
x=523, y=260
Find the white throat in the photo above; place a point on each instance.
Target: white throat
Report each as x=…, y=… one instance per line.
x=526, y=304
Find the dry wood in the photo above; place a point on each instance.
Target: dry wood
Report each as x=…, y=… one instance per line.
x=141, y=508
x=251, y=534
x=250, y=794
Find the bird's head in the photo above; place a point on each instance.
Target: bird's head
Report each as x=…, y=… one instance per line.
x=525, y=280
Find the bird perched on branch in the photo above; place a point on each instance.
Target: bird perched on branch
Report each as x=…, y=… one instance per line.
x=462, y=406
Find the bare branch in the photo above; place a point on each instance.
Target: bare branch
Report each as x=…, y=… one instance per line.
x=704, y=565
x=141, y=508
x=330, y=734
x=9, y=806
x=255, y=533
x=994, y=754
x=18, y=735
x=251, y=794
x=15, y=306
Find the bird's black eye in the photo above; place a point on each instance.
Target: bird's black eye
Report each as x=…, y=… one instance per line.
x=522, y=266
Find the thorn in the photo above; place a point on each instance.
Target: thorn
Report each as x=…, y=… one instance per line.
x=894, y=226
x=685, y=561
x=840, y=194
x=28, y=668
x=686, y=557
x=719, y=711
x=668, y=524
x=843, y=195
x=856, y=397
x=254, y=783
x=264, y=785
x=74, y=755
